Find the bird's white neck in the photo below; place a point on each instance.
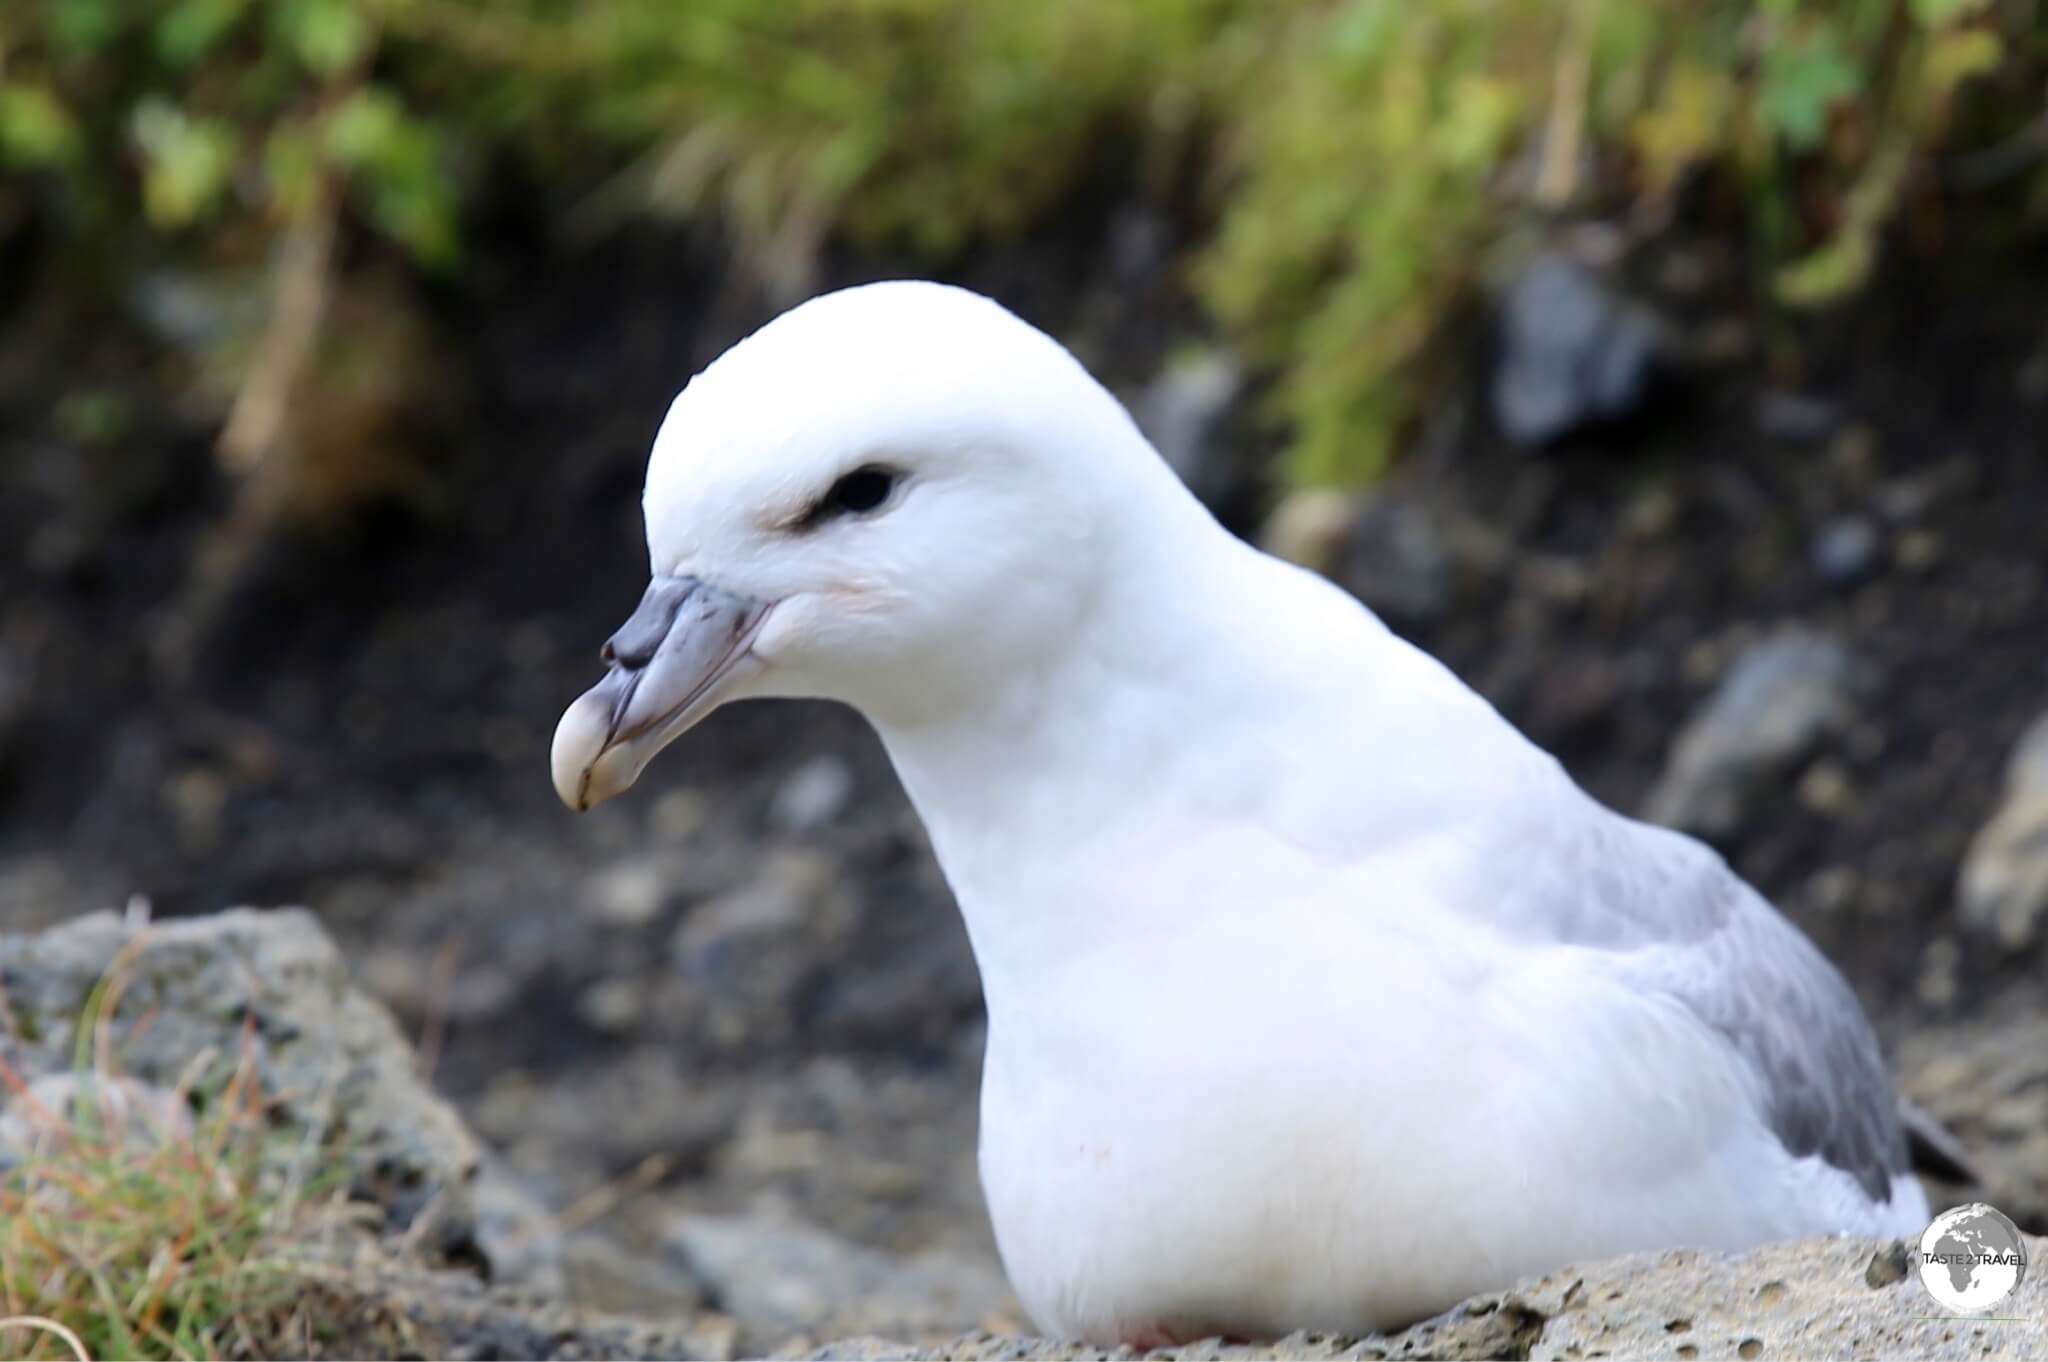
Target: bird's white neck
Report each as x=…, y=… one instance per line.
x=1039, y=798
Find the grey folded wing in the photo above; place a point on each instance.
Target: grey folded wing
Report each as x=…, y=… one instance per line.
x=1679, y=921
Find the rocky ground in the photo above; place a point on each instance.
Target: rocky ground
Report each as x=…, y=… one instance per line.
x=452, y=1259
x=729, y=1030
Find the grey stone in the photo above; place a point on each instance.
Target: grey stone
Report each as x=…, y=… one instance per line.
x=1779, y=701
x=815, y=794
x=617, y=1004
x=197, y=312
x=630, y=893
x=1396, y=561
x=605, y=1275
x=1798, y=417
x=53, y=1106
x=1573, y=352
x=1413, y=551
x=268, y=989
x=2003, y=887
x=1845, y=551
x=648, y=1106
x=777, y=902
x=1310, y=527
x=784, y=1280
x=1813, y=1298
x=1181, y=410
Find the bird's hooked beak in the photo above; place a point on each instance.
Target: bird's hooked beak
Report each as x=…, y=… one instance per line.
x=671, y=664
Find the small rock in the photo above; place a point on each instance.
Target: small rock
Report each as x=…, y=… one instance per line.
x=605, y=1275
x=815, y=793
x=1796, y=417
x=1778, y=702
x=1140, y=241
x=1919, y=550
x=521, y=1239
x=2003, y=888
x=197, y=797
x=613, y=1005
x=1940, y=964
x=781, y=1279
x=1907, y=499
x=1181, y=409
x=1310, y=527
x=648, y=1108
x=1826, y=788
x=1832, y=890
x=1845, y=550
x=1888, y=1266
x=1395, y=559
x=197, y=312
x=1652, y=512
x=679, y=815
x=1573, y=352
x=780, y=899
x=630, y=893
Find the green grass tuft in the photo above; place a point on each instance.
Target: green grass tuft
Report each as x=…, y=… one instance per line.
x=1364, y=156
x=128, y=1230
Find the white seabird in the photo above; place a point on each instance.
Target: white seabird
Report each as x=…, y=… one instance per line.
x=1318, y=996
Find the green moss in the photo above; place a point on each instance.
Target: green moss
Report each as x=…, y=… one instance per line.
x=1366, y=154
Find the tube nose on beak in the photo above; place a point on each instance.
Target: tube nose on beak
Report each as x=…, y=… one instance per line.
x=635, y=642
x=667, y=666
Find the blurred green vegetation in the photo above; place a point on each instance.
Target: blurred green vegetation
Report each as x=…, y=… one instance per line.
x=1364, y=157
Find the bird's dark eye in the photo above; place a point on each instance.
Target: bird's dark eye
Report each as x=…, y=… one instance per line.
x=856, y=493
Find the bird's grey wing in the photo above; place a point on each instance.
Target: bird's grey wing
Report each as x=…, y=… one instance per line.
x=1670, y=916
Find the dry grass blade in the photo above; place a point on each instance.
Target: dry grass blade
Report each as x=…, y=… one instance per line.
x=598, y=1203
x=43, y=1325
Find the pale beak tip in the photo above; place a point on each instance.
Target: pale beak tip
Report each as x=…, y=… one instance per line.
x=581, y=739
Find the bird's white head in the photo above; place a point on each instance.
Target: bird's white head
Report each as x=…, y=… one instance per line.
x=895, y=496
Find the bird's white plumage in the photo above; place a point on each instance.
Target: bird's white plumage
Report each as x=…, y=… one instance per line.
x=1318, y=997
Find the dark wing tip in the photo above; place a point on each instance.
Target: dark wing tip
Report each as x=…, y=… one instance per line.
x=1934, y=1149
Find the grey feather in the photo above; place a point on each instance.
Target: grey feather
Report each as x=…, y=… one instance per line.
x=1679, y=921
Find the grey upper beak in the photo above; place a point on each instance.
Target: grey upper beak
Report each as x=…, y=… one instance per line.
x=641, y=636
x=667, y=667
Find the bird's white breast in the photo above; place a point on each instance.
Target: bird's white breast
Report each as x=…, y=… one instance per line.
x=1318, y=1122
